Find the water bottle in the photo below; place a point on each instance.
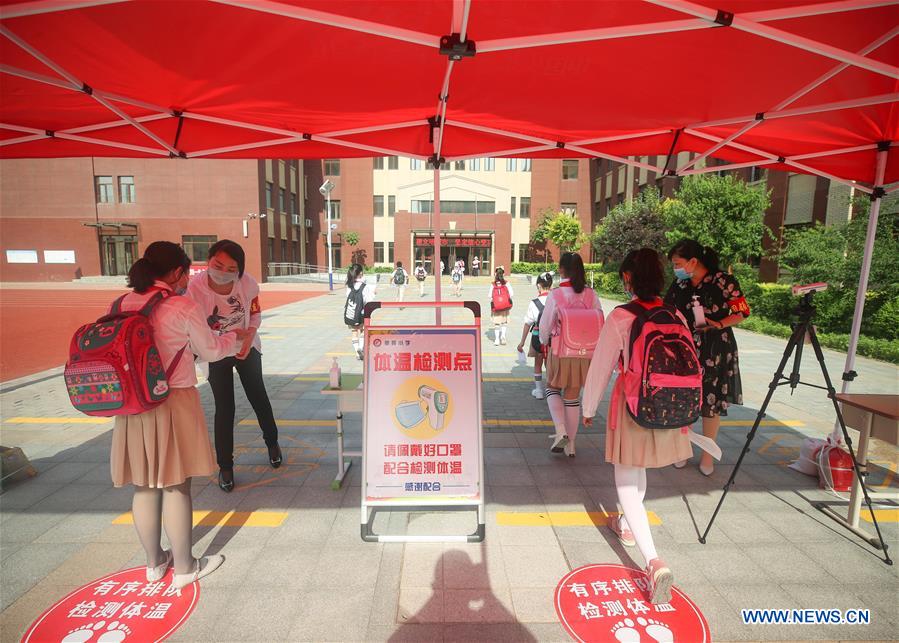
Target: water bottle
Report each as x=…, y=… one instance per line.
x=334, y=375
x=698, y=313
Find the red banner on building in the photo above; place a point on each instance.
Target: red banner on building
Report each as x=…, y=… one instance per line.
x=460, y=242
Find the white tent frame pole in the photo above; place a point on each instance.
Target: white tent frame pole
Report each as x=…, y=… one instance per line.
x=335, y=20
x=827, y=175
x=611, y=157
x=77, y=84
x=720, y=168
x=622, y=137
x=787, y=13
x=119, y=123
x=435, y=221
x=22, y=139
x=23, y=9
x=891, y=190
x=796, y=96
x=862, y=291
x=783, y=37
x=842, y=150
x=502, y=153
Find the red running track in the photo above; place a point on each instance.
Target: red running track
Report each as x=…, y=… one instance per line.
x=37, y=325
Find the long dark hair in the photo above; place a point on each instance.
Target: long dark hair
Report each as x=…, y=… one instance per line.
x=160, y=258
x=233, y=250
x=498, y=276
x=573, y=267
x=353, y=274
x=692, y=249
x=647, y=275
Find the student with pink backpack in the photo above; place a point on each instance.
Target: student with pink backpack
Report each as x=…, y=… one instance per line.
x=655, y=400
x=569, y=327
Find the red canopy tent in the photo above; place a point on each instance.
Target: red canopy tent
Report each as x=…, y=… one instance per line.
x=778, y=83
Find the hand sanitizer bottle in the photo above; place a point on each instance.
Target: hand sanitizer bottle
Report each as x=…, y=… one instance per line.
x=334, y=375
x=698, y=313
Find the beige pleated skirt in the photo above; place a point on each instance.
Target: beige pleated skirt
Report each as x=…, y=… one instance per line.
x=162, y=447
x=630, y=444
x=500, y=318
x=566, y=372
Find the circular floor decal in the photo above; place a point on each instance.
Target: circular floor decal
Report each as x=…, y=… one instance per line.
x=119, y=608
x=609, y=603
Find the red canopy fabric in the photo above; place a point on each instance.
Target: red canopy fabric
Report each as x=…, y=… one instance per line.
x=783, y=83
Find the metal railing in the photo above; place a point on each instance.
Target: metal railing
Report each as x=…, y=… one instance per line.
x=298, y=271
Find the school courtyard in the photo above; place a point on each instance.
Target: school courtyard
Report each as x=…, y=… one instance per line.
x=296, y=568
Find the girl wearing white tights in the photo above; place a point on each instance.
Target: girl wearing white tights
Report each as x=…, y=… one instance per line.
x=565, y=376
x=630, y=447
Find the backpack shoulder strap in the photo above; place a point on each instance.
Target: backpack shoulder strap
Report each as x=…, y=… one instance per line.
x=117, y=305
x=539, y=304
x=174, y=364
x=153, y=302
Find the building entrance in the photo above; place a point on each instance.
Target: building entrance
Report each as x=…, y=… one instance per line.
x=118, y=253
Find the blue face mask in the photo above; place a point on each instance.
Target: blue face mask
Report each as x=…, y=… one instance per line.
x=682, y=274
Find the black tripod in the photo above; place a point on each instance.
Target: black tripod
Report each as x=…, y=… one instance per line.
x=801, y=329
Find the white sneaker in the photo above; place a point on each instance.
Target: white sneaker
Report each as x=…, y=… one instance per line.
x=502, y=340
x=559, y=443
x=205, y=566
x=496, y=342
x=538, y=393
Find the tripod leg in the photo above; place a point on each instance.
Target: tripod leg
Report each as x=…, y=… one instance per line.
x=831, y=393
x=797, y=336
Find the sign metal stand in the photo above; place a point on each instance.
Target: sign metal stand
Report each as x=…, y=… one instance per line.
x=422, y=436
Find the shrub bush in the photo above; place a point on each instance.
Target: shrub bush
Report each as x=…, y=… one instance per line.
x=773, y=301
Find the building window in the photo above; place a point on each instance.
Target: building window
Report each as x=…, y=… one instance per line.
x=460, y=165
x=524, y=165
x=379, y=252
x=393, y=162
x=490, y=164
x=332, y=167
x=523, y=252
x=391, y=205
x=524, y=210
x=510, y=165
x=758, y=174
x=197, y=246
x=474, y=164
x=268, y=194
x=455, y=207
x=569, y=170
x=379, y=163
x=104, y=189
x=512, y=209
x=379, y=205
x=294, y=204
x=126, y=189
x=271, y=249
x=416, y=164
x=390, y=251
x=282, y=200
x=512, y=254
x=335, y=210
x=284, y=256
x=569, y=208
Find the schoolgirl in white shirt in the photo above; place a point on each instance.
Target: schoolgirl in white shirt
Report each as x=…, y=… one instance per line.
x=530, y=333
x=358, y=293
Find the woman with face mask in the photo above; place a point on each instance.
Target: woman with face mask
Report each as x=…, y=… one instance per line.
x=712, y=302
x=160, y=450
x=229, y=299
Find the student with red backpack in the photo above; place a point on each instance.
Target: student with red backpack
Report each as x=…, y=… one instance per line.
x=160, y=449
x=500, y=306
x=655, y=400
x=569, y=330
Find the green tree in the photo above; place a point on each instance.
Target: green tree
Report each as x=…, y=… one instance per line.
x=564, y=230
x=352, y=238
x=638, y=223
x=722, y=212
x=358, y=254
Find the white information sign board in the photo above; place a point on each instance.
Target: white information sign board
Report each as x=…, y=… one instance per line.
x=59, y=256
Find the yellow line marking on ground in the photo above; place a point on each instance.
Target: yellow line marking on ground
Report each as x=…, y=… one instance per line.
x=57, y=420
x=340, y=354
x=225, y=518
x=285, y=326
x=561, y=518
x=883, y=515
x=770, y=442
x=264, y=336
x=293, y=422
x=508, y=379
x=499, y=354
x=763, y=423
x=303, y=378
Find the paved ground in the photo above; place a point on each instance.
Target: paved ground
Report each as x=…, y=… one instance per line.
x=299, y=571
x=36, y=324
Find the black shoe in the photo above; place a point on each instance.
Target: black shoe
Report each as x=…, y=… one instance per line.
x=274, y=455
x=226, y=480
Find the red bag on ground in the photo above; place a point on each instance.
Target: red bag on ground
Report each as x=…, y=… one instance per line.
x=114, y=366
x=835, y=468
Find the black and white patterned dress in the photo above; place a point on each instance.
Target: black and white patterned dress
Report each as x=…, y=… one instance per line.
x=721, y=297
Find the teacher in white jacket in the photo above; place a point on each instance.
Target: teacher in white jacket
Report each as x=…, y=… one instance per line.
x=229, y=299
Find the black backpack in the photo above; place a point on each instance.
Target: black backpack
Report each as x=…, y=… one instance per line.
x=535, y=328
x=399, y=278
x=352, y=310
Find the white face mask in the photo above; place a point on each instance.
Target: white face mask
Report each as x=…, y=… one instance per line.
x=221, y=277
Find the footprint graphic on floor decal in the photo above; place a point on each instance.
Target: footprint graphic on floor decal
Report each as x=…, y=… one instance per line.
x=115, y=632
x=656, y=631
